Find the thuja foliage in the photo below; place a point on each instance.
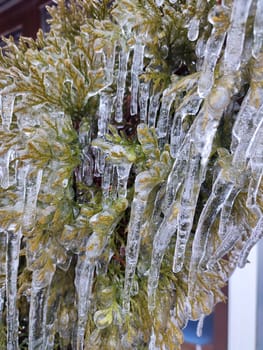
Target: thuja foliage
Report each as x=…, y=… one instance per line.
x=130, y=170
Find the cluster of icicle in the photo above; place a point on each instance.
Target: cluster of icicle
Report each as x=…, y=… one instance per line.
x=178, y=156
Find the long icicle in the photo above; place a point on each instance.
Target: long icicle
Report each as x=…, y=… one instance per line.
x=121, y=83
x=153, y=109
x=218, y=18
x=187, y=207
x=40, y=286
x=160, y=244
x=234, y=47
x=83, y=282
x=258, y=30
x=136, y=69
x=14, y=236
x=3, y=244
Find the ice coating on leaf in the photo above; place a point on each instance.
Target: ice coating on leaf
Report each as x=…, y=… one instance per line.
x=234, y=47
x=136, y=69
x=14, y=235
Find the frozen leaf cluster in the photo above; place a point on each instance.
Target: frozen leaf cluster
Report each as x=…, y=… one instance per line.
x=131, y=164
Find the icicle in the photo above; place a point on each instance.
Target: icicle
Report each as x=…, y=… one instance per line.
x=245, y=125
x=85, y=172
x=258, y=30
x=121, y=83
x=176, y=135
x=190, y=106
x=160, y=243
x=132, y=248
x=136, y=69
x=220, y=192
x=109, y=65
x=123, y=171
x=200, y=325
x=144, y=184
x=153, y=109
x=187, y=207
x=200, y=52
x=143, y=101
x=7, y=107
x=193, y=28
x=83, y=283
x=162, y=124
x=107, y=180
x=177, y=174
x=255, y=154
x=3, y=243
x=32, y=188
x=228, y=242
x=41, y=280
x=236, y=35
x=99, y=162
x=104, y=113
x=255, y=180
x=152, y=345
x=218, y=17
x=4, y=168
x=256, y=235
x=226, y=212
x=12, y=260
